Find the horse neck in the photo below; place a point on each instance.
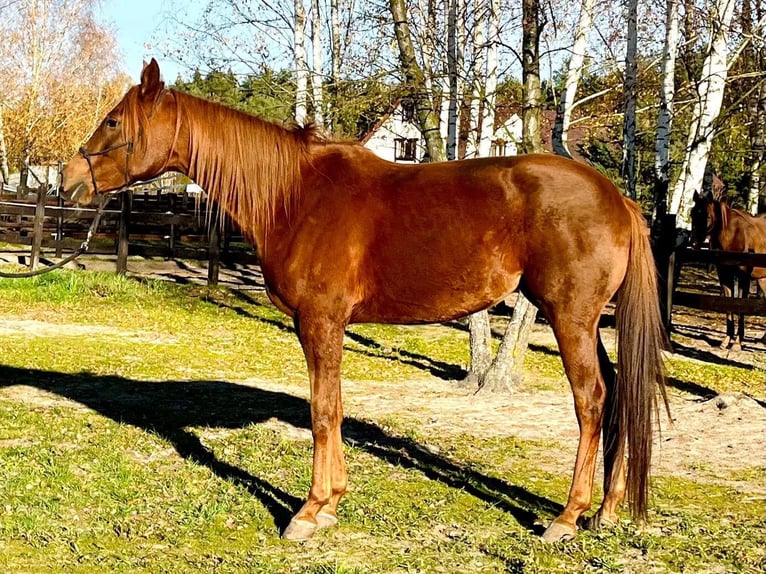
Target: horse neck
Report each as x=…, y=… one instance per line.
x=733, y=229
x=251, y=168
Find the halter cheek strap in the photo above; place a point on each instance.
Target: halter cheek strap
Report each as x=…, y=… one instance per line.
x=87, y=155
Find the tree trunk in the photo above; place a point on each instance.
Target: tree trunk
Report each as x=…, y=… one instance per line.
x=758, y=165
x=4, y=169
x=478, y=73
x=301, y=68
x=574, y=73
x=756, y=54
x=530, y=61
x=507, y=368
x=490, y=84
x=706, y=110
x=316, y=64
x=452, y=102
x=480, y=343
x=628, y=167
x=427, y=117
x=478, y=323
x=665, y=115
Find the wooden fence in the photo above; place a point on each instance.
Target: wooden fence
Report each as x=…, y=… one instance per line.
x=144, y=222
x=675, y=296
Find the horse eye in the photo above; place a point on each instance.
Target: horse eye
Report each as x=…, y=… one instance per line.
x=111, y=123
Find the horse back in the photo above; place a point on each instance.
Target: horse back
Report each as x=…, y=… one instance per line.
x=430, y=242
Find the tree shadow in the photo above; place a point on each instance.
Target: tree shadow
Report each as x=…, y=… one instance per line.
x=440, y=369
x=708, y=357
x=167, y=408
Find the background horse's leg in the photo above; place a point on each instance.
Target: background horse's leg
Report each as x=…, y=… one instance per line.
x=322, y=342
x=741, y=290
x=726, y=279
x=577, y=338
x=614, y=463
x=761, y=282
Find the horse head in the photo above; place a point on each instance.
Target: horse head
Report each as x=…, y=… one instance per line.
x=703, y=219
x=119, y=151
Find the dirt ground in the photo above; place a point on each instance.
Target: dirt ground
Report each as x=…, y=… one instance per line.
x=709, y=435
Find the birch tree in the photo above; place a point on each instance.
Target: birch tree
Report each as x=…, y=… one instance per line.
x=665, y=113
x=415, y=80
x=479, y=143
x=706, y=109
x=756, y=101
x=317, y=88
x=574, y=73
x=507, y=367
x=57, y=65
x=301, y=68
x=628, y=167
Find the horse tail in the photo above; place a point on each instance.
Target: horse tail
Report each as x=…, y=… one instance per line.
x=641, y=338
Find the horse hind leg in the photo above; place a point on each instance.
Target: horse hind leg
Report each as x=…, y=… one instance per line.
x=741, y=290
x=614, y=459
x=577, y=345
x=762, y=287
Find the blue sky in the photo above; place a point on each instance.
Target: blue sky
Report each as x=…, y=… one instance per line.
x=139, y=25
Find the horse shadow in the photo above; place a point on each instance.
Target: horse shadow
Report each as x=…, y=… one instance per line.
x=168, y=408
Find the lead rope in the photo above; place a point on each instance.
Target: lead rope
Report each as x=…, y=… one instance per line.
x=72, y=256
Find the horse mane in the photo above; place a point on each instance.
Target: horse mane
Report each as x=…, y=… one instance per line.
x=249, y=166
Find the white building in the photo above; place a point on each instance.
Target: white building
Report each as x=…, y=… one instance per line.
x=506, y=138
x=396, y=136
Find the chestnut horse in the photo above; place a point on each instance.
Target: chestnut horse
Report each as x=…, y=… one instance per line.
x=346, y=237
x=730, y=230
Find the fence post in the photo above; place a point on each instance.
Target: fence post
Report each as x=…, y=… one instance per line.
x=214, y=251
x=60, y=216
x=37, y=230
x=126, y=201
x=665, y=259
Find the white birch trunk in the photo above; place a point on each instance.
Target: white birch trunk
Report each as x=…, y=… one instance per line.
x=477, y=76
x=574, y=73
x=4, y=169
x=301, y=69
x=317, y=89
x=758, y=166
x=450, y=109
x=490, y=84
x=665, y=115
x=335, y=42
x=706, y=109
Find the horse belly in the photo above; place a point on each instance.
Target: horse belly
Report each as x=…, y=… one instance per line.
x=431, y=282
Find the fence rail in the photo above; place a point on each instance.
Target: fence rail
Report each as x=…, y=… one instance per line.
x=149, y=223
x=674, y=296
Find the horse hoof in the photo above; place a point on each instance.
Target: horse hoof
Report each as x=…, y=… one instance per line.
x=326, y=519
x=299, y=530
x=599, y=521
x=558, y=532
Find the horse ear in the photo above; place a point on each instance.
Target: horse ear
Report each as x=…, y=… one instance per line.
x=696, y=196
x=151, y=83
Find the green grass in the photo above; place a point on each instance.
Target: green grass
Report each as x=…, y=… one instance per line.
x=127, y=446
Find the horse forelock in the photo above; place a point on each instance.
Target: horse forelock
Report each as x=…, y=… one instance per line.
x=135, y=120
x=251, y=167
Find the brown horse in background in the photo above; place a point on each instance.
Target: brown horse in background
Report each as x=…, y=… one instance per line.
x=345, y=237
x=730, y=230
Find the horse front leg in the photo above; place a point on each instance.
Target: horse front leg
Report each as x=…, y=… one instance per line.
x=322, y=342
